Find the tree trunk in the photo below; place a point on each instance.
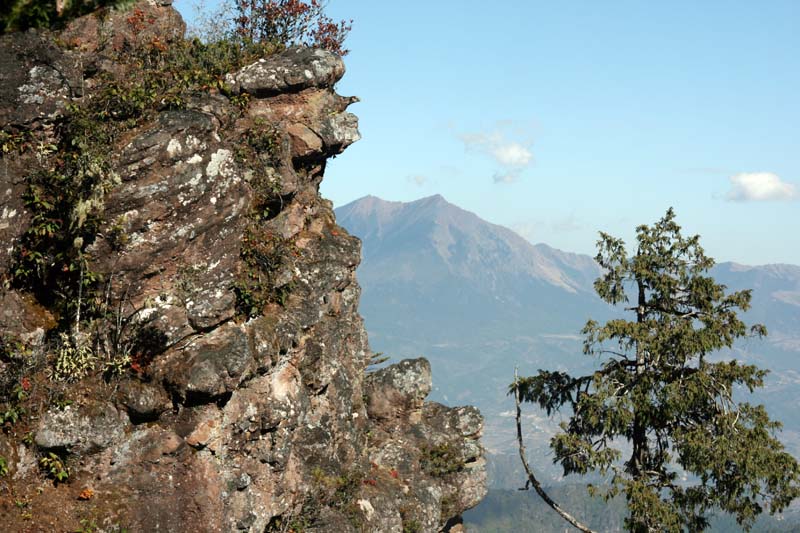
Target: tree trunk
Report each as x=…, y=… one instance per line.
x=637, y=464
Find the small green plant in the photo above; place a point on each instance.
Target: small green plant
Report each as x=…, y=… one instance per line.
x=126, y=336
x=448, y=507
x=88, y=525
x=3, y=466
x=264, y=140
x=441, y=460
x=11, y=415
x=261, y=154
x=13, y=410
x=74, y=357
x=289, y=524
x=54, y=467
x=116, y=366
x=242, y=101
x=337, y=492
x=263, y=256
x=116, y=236
x=14, y=141
x=410, y=525
x=13, y=349
x=65, y=198
x=61, y=403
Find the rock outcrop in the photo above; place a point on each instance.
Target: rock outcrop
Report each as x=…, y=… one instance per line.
x=218, y=378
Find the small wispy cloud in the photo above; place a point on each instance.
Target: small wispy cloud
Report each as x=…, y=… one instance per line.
x=418, y=179
x=760, y=187
x=505, y=177
x=512, y=155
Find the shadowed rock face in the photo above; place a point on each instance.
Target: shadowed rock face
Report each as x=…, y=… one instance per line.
x=264, y=421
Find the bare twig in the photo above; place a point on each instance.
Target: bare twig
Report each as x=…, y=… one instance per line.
x=531, y=478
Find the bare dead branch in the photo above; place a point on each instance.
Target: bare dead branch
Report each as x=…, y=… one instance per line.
x=531, y=478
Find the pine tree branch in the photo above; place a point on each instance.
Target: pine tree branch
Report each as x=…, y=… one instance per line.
x=531, y=478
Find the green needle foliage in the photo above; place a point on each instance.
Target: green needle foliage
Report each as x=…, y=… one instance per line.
x=689, y=448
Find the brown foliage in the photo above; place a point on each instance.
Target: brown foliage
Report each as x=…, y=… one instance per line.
x=290, y=22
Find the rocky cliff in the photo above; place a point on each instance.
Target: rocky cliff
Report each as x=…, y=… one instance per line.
x=181, y=345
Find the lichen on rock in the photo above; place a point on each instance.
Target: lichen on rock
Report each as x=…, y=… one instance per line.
x=228, y=387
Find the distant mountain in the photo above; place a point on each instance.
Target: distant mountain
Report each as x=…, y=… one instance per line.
x=429, y=266
x=453, y=242
x=474, y=297
x=477, y=300
x=775, y=303
x=776, y=300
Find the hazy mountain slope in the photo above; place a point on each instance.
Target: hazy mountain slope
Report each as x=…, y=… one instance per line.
x=776, y=299
x=475, y=298
x=478, y=299
x=398, y=235
x=775, y=303
x=446, y=273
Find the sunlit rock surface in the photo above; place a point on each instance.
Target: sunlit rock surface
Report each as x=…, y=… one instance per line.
x=228, y=422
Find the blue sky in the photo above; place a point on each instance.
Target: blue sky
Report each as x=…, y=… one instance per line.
x=559, y=119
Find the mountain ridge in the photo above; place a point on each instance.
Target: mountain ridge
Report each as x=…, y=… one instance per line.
x=369, y=216
x=575, y=272
x=422, y=295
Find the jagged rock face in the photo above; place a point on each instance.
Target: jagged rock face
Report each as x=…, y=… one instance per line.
x=258, y=420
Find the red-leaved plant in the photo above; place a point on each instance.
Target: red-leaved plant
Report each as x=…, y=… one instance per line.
x=290, y=22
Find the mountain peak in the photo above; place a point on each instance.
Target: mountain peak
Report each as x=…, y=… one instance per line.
x=433, y=199
x=373, y=203
x=449, y=239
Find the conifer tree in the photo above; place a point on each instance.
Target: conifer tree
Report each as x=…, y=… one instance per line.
x=661, y=417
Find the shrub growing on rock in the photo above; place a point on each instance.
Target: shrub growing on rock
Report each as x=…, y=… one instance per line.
x=290, y=22
x=282, y=22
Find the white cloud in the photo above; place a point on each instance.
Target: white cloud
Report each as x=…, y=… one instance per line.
x=759, y=187
x=511, y=155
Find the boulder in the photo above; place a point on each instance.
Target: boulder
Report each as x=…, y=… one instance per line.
x=295, y=69
x=80, y=430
